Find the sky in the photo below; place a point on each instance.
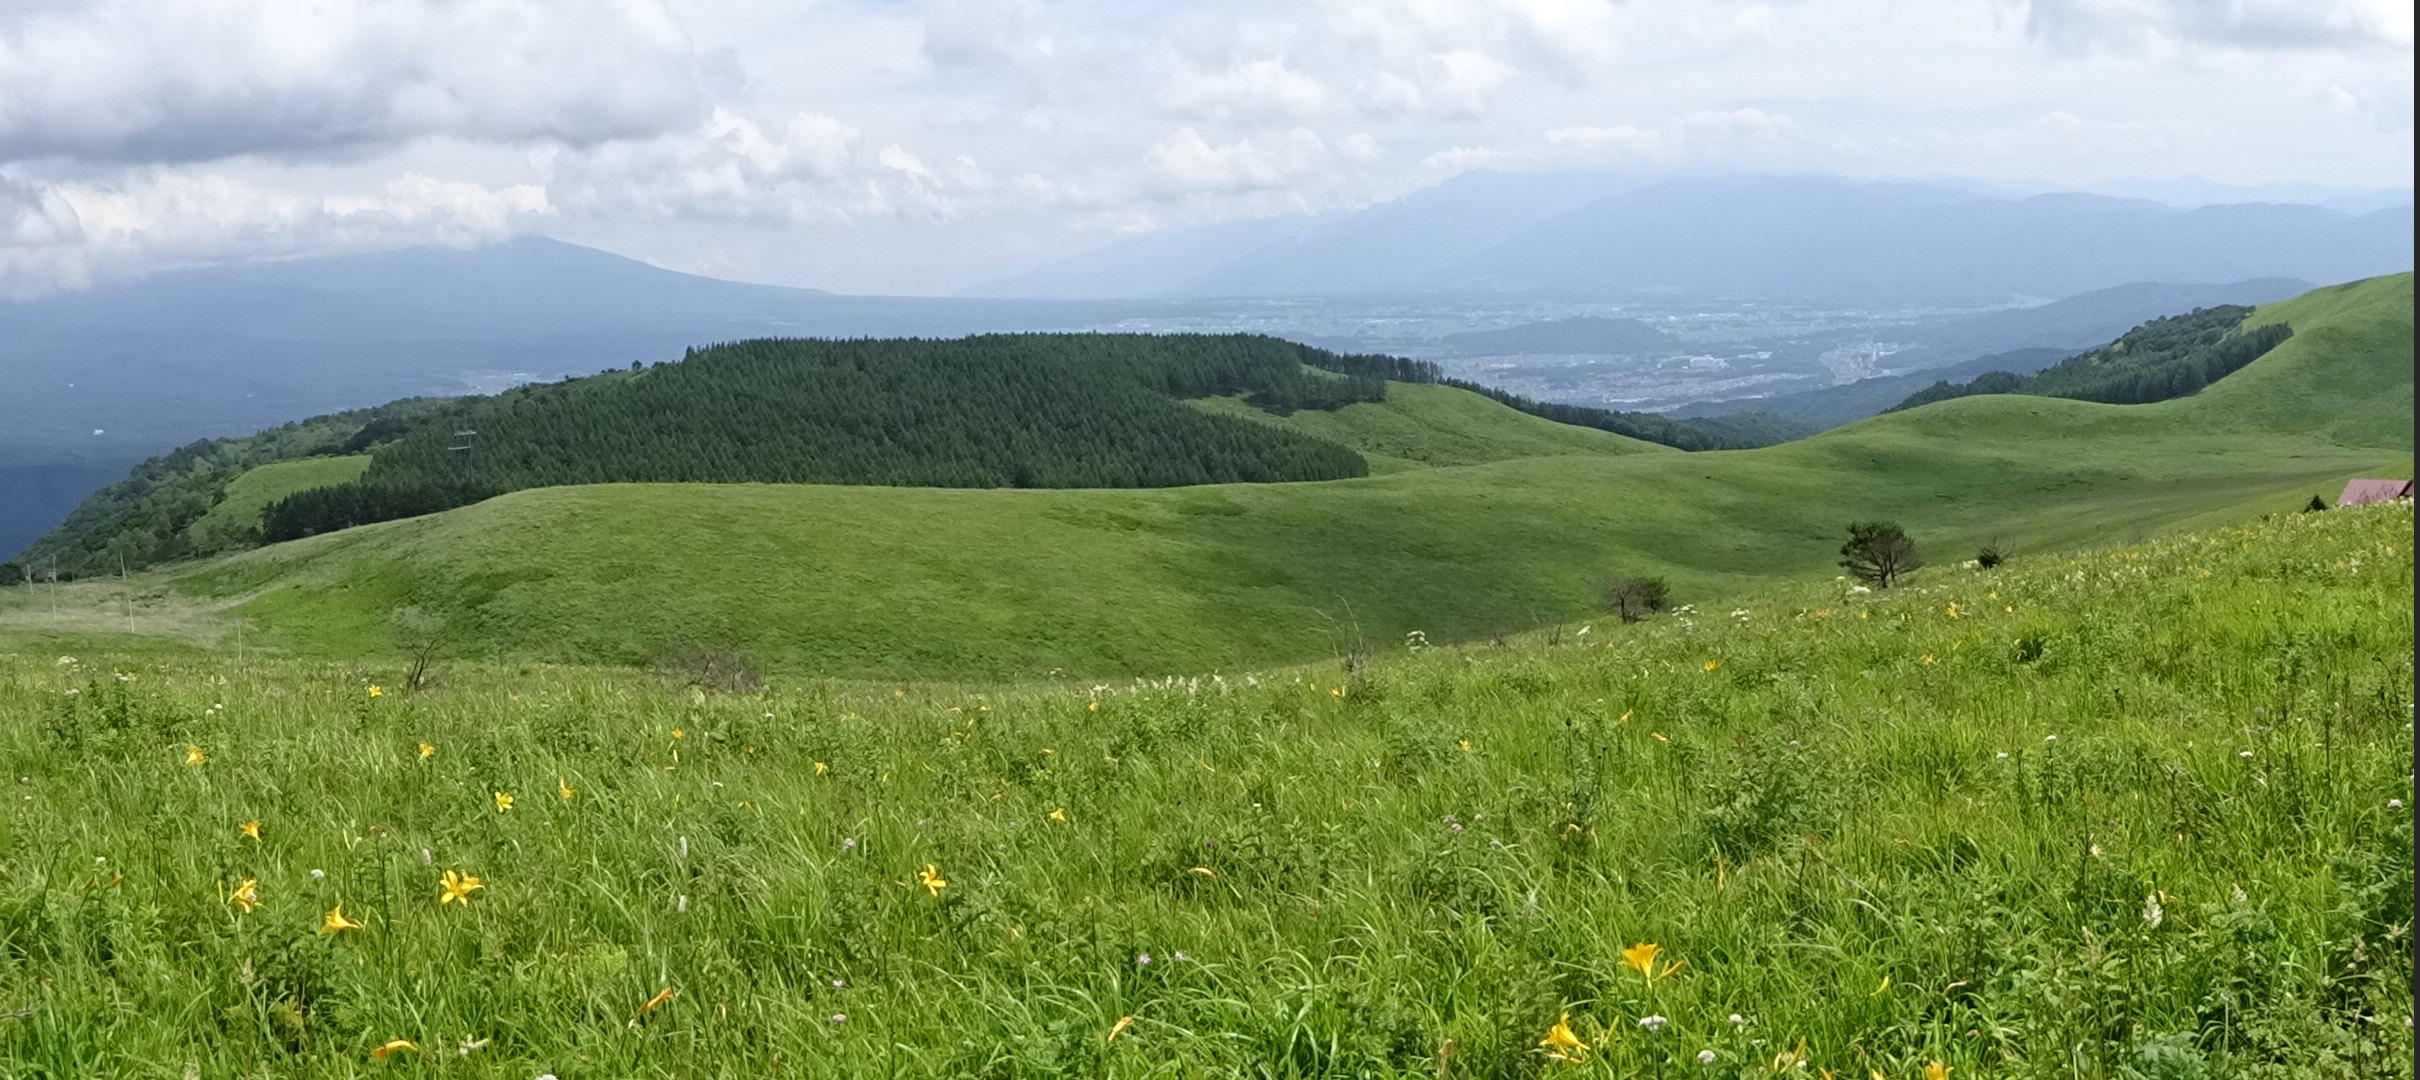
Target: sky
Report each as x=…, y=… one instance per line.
x=923, y=146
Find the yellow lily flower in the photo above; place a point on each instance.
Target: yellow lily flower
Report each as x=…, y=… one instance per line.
x=246, y=895
x=458, y=888
x=930, y=877
x=195, y=756
x=504, y=802
x=1562, y=1044
x=252, y=829
x=335, y=921
x=392, y=1047
x=1641, y=958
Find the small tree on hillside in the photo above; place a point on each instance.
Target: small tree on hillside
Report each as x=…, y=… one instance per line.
x=421, y=634
x=2316, y=503
x=1879, y=553
x=1635, y=598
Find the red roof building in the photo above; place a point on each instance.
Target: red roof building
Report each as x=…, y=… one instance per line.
x=2364, y=492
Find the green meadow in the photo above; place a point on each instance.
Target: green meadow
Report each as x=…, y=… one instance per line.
x=2134, y=812
x=1481, y=522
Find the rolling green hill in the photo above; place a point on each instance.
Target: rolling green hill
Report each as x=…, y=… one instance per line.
x=235, y=520
x=930, y=583
x=1420, y=426
x=2165, y=358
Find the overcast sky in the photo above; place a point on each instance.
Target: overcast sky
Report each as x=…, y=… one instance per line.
x=925, y=145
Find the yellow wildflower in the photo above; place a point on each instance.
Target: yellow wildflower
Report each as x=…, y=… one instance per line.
x=246, y=896
x=1203, y=871
x=504, y=802
x=1119, y=1028
x=1952, y=611
x=393, y=1046
x=662, y=998
x=1094, y=706
x=1659, y=736
x=1465, y=745
x=252, y=828
x=459, y=887
x=565, y=789
x=335, y=922
x=821, y=768
x=678, y=733
x=1562, y=1044
x=375, y=690
x=930, y=877
x=1641, y=958
x=195, y=756
x=1936, y=1071
x=1059, y=814
x=427, y=751
x=1712, y=664
x=1928, y=658
x=1335, y=691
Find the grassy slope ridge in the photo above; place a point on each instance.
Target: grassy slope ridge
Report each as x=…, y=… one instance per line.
x=1419, y=425
x=2125, y=814
x=235, y=520
x=943, y=584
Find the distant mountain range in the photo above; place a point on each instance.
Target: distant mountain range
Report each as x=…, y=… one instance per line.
x=1766, y=236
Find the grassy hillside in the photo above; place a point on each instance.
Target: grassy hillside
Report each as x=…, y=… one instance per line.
x=1420, y=425
x=2136, y=813
x=945, y=584
x=235, y=520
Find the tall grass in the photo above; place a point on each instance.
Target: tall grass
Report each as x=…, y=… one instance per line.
x=2137, y=813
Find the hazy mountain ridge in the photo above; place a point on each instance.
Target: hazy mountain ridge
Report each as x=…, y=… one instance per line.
x=1772, y=236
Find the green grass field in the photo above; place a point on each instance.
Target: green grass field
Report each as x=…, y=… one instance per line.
x=925, y=584
x=1420, y=426
x=2128, y=814
x=235, y=519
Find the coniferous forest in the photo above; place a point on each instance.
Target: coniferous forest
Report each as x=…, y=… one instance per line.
x=1065, y=410
x=2165, y=358
x=1002, y=410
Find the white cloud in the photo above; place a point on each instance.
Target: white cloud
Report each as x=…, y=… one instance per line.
x=196, y=80
x=1253, y=91
x=2091, y=25
x=1191, y=163
x=68, y=235
x=904, y=144
x=810, y=167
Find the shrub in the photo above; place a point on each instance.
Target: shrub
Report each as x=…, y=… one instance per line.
x=718, y=671
x=1990, y=556
x=2315, y=504
x=1635, y=598
x=421, y=634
